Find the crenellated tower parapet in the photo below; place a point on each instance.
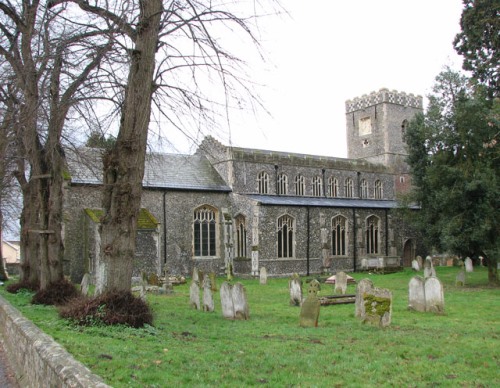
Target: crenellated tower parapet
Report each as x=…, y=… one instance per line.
x=384, y=96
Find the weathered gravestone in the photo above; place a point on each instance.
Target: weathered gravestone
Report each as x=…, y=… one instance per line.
x=153, y=279
x=364, y=264
x=434, y=295
x=376, y=304
x=340, y=283
x=234, y=301
x=420, y=261
x=416, y=294
x=263, y=275
x=309, y=312
x=429, y=268
x=85, y=284
x=460, y=279
x=208, y=298
x=213, y=281
x=196, y=275
x=415, y=266
x=295, y=287
x=194, y=295
x=167, y=287
x=468, y=265
x=226, y=300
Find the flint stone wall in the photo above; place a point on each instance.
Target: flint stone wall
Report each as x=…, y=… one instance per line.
x=36, y=357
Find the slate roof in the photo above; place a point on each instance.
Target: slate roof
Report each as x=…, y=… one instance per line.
x=279, y=200
x=163, y=171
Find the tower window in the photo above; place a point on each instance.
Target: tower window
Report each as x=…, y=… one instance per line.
x=263, y=183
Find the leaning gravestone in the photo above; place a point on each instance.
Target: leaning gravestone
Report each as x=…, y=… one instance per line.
x=376, y=304
x=309, y=312
x=415, y=266
x=194, y=295
x=295, y=287
x=434, y=295
x=226, y=300
x=240, y=302
x=416, y=294
x=263, y=275
x=340, y=283
x=460, y=279
x=468, y=265
x=85, y=284
x=208, y=298
x=429, y=268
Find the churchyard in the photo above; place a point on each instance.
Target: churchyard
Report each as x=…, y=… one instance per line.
x=191, y=347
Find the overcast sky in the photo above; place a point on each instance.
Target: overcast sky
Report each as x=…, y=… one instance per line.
x=329, y=51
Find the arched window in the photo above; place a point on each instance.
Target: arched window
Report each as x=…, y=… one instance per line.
x=364, y=188
x=205, y=231
x=299, y=185
x=349, y=188
x=372, y=235
x=339, y=235
x=317, y=186
x=263, y=183
x=241, y=237
x=333, y=187
x=378, y=190
x=282, y=188
x=285, y=236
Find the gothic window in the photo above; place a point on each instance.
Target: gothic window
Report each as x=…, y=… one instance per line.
x=372, y=235
x=317, y=186
x=333, y=187
x=263, y=182
x=349, y=188
x=339, y=235
x=378, y=190
x=205, y=230
x=241, y=237
x=282, y=184
x=364, y=188
x=299, y=185
x=285, y=236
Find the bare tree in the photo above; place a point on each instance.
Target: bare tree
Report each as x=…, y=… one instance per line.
x=175, y=58
x=52, y=59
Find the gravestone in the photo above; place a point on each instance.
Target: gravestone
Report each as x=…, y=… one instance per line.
x=364, y=264
x=194, y=295
x=468, y=265
x=85, y=284
x=416, y=294
x=420, y=261
x=213, y=281
x=295, y=287
x=460, y=279
x=373, y=305
x=434, y=295
x=153, y=279
x=309, y=312
x=208, y=298
x=340, y=283
x=415, y=266
x=196, y=275
x=226, y=300
x=240, y=302
x=263, y=275
x=429, y=268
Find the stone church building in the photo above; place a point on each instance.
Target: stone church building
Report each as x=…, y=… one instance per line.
x=287, y=212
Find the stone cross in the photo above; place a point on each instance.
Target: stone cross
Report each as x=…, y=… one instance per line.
x=309, y=312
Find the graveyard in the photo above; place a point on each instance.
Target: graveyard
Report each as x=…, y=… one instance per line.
x=455, y=345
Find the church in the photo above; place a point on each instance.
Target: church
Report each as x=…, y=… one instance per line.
x=249, y=208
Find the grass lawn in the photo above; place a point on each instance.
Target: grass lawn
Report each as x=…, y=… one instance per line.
x=187, y=347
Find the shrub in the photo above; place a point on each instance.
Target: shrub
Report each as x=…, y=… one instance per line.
x=56, y=293
x=14, y=288
x=110, y=308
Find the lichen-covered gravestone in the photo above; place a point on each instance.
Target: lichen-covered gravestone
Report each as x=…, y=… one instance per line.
x=295, y=287
x=376, y=304
x=85, y=284
x=415, y=266
x=208, y=298
x=434, y=295
x=460, y=279
x=194, y=295
x=263, y=275
x=240, y=302
x=309, y=312
x=226, y=300
x=468, y=265
x=213, y=281
x=340, y=283
x=416, y=294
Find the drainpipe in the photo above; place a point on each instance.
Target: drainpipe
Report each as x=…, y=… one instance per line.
x=355, y=250
x=308, y=239
x=386, y=233
x=164, y=230
x=358, y=184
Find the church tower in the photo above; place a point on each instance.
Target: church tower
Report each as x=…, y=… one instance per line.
x=376, y=124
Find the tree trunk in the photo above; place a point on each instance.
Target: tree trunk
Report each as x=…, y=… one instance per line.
x=3, y=272
x=124, y=164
